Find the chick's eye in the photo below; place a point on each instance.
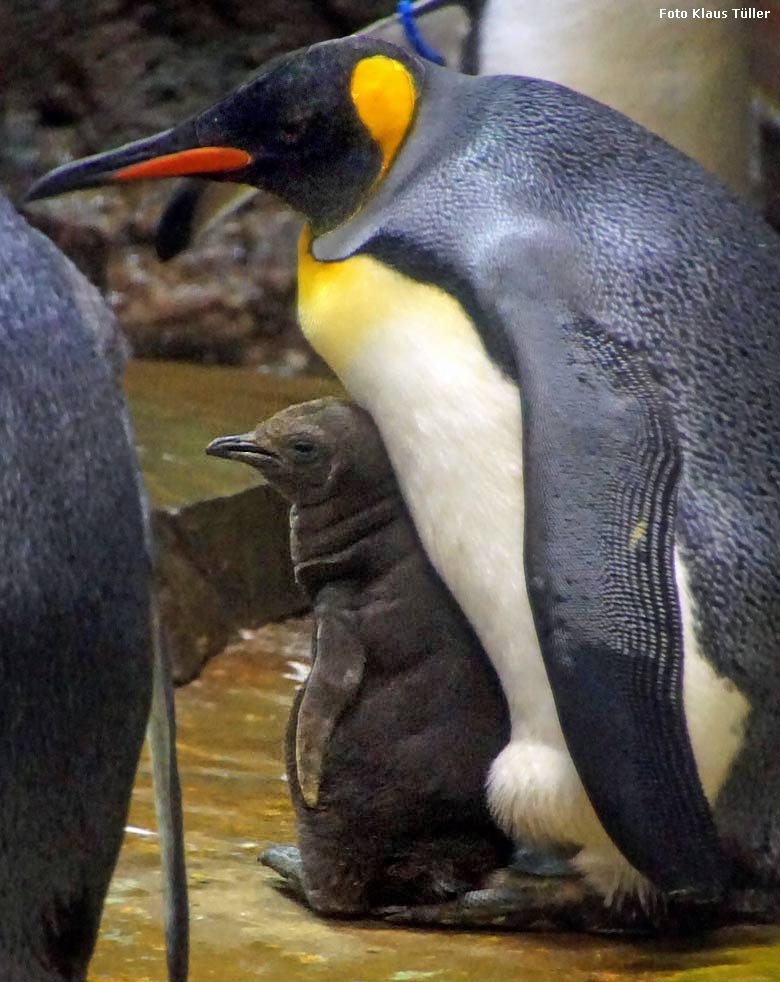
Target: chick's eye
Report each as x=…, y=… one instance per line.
x=303, y=448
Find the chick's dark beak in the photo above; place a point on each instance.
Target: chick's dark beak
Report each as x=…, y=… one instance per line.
x=173, y=153
x=243, y=447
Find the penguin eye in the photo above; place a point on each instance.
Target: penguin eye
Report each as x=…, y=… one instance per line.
x=290, y=134
x=302, y=448
x=293, y=128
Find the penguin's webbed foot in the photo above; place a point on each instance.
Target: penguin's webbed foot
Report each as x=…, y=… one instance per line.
x=522, y=902
x=513, y=900
x=286, y=861
x=509, y=901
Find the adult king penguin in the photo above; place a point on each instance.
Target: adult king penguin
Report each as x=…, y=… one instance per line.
x=566, y=333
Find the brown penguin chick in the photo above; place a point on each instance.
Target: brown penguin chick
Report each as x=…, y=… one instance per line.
x=391, y=737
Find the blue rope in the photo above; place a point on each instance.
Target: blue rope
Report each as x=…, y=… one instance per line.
x=413, y=36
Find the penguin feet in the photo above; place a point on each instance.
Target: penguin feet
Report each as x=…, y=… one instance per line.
x=519, y=900
x=536, y=796
x=511, y=900
x=330, y=886
x=615, y=879
x=336, y=879
x=516, y=901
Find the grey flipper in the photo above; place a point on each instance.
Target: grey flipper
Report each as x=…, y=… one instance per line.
x=161, y=735
x=161, y=741
x=161, y=724
x=286, y=861
x=601, y=464
x=333, y=683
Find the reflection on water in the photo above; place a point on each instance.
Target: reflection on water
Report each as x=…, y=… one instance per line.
x=230, y=731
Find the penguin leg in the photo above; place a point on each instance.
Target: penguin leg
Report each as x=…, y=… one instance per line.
x=512, y=901
x=601, y=462
x=517, y=902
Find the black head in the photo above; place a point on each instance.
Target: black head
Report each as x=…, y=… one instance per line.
x=313, y=451
x=317, y=127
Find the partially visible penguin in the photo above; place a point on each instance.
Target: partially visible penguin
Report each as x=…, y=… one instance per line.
x=390, y=739
x=505, y=272
x=76, y=632
x=688, y=81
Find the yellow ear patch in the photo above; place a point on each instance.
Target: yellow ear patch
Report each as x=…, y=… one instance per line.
x=382, y=91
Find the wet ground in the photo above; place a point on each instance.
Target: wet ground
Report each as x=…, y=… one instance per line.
x=230, y=731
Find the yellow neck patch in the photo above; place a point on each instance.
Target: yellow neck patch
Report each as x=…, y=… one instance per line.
x=382, y=91
x=336, y=303
x=343, y=306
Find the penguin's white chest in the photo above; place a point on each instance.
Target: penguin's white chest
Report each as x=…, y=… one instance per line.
x=452, y=427
x=451, y=422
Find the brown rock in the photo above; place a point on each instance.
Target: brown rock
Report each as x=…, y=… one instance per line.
x=222, y=563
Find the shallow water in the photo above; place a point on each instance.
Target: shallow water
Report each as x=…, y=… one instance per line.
x=230, y=731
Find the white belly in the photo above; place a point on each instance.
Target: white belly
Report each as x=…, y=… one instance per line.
x=452, y=426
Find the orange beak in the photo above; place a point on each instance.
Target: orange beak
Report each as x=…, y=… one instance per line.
x=200, y=160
